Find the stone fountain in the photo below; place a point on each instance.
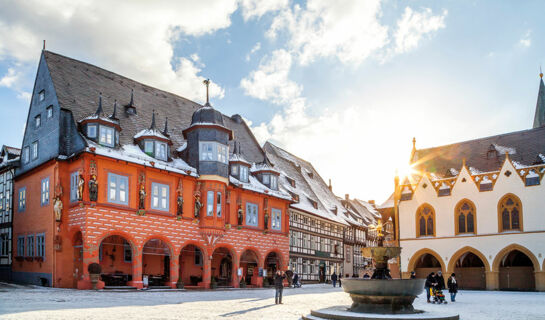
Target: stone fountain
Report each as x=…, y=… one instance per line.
x=380, y=297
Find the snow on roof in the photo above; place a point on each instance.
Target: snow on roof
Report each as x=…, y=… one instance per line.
x=305, y=187
x=96, y=117
x=255, y=185
x=474, y=171
x=542, y=157
x=389, y=203
x=256, y=167
x=12, y=150
x=182, y=146
x=133, y=153
x=238, y=158
x=454, y=172
x=504, y=150
x=150, y=133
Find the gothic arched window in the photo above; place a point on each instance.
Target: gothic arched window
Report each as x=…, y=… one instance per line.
x=510, y=213
x=425, y=216
x=464, y=217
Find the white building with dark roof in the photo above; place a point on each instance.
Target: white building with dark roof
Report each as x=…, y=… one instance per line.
x=475, y=208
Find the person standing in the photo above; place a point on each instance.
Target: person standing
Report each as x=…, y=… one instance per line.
x=440, y=280
x=452, y=287
x=413, y=275
x=279, y=286
x=430, y=282
x=334, y=279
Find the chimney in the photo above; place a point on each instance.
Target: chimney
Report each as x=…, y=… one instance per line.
x=347, y=197
x=371, y=202
x=330, y=186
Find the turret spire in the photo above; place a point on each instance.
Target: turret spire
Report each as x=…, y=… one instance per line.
x=100, y=111
x=113, y=116
x=131, y=103
x=152, y=127
x=539, y=118
x=165, y=131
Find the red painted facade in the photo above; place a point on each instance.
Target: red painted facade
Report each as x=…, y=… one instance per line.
x=131, y=244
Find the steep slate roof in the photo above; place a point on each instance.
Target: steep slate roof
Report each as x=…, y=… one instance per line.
x=306, y=187
x=484, y=154
x=77, y=85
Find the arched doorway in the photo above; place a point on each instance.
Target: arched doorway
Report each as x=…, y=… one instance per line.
x=516, y=272
x=115, y=258
x=470, y=272
x=249, y=263
x=426, y=264
x=222, y=267
x=272, y=264
x=156, y=262
x=77, y=243
x=191, y=266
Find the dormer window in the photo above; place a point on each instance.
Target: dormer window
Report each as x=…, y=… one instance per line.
x=153, y=142
x=234, y=170
x=244, y=173
x=274, y=182
x=156, y=149
x=161, y=150
x=213, y=151
x=266, y=178
x=106, y=136
x=291, y=182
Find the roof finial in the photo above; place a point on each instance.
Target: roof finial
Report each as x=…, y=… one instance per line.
x=414, y=142
x=99, y=111
x=540, y=73
x=207, y=84
x=165, y=132
x=113, y=117
x=132, y=98
x=152, y=127
x=44, y=46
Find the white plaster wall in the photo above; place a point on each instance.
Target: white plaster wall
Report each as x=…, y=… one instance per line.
x=487, y=240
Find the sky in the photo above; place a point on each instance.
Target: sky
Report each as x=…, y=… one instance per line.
x=344, y=84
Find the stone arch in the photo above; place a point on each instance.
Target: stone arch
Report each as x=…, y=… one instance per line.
x=172, y=252
x=190, y=269
x=281, y=260
x=421, y=252
x=460, y=252
x=260, y=257
x=511, y=247
x=123, y=234
x=223, y=265
x=194, y=243
x=116, y=270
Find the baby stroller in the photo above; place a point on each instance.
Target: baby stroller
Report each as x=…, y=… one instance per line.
x=297, y=283
x=438, y=296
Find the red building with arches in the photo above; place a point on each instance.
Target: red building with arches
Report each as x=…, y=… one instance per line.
x=193, y=202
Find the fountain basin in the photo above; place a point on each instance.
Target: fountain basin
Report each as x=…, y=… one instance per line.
x=394, y=296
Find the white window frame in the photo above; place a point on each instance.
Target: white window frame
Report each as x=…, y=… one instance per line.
x=210, y=203
x=266, y=178
x=35, y=150
x=234, y=169
x=276, y=219
x=106, y=136
x=74, y=179
x=92, y=131
x=26, y=154
x=148, y=147
x=274, y=182
x=160, y=196
x=243, y=173
x=118, y=186
x=41, y=95
x=22, y=199
x=49, y=112
x=252, y=214
x=44, y=194
x=218, y=204
x=161, y=150
x=38, y=121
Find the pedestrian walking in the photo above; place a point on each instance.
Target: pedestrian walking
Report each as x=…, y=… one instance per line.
x=340, y=278
x=296, y=283
x=413, y=275
x=279, y=286
x=334, y=279
x=452, y=287
x=430, y=283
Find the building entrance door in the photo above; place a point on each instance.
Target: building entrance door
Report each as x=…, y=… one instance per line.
x=322, y=272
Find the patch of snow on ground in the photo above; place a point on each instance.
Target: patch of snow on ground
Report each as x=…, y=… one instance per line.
x=19, y=302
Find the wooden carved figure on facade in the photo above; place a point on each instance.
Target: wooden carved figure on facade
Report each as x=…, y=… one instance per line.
x=81, y=186
x=240, y=215
x=57, y=209
x=142, y=193
x=266, y=220
x=198, y=205
x=180, y=199
x=93, y=188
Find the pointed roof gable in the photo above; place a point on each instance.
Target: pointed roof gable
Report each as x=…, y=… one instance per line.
x=77, y=83
x=539, y=118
